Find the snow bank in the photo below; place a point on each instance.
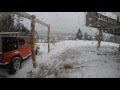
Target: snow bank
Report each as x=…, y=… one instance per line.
x=79, y=59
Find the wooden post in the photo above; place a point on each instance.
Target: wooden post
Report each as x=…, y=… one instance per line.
x=33, y=41
x=99, y=38
x=48, y=38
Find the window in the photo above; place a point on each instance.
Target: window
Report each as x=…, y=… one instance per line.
x=9, y=43
x=21, y=41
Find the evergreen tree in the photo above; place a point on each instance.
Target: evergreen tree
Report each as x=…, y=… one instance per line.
x=79, y=35
x=7, y=24
x=20, y=27
x=86, y=36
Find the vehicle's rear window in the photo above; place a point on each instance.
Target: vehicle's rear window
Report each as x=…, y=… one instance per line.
x=9, y=43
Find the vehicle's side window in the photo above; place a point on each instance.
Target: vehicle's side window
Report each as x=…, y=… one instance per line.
x=9, y=43
x=21, y=41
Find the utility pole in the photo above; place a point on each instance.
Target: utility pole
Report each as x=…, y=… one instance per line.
x=33, y=40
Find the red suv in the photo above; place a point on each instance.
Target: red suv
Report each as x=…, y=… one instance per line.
x=13, y=49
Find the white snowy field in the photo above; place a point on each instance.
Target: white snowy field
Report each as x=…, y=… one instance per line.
x=74, y=59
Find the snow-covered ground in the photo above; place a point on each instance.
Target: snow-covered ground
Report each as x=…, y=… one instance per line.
x=74, y=59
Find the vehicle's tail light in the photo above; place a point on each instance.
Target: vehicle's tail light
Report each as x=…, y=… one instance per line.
x=1, y=57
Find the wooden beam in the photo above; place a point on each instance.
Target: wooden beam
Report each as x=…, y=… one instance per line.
x=41, y=22
x=28, y=16
x=25, y=15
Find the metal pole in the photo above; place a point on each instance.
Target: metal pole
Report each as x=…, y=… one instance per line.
x=33, y=41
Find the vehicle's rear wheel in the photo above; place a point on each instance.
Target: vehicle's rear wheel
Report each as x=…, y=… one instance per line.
x=15, y=65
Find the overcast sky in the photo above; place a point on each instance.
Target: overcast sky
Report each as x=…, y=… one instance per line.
x=63, y=22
